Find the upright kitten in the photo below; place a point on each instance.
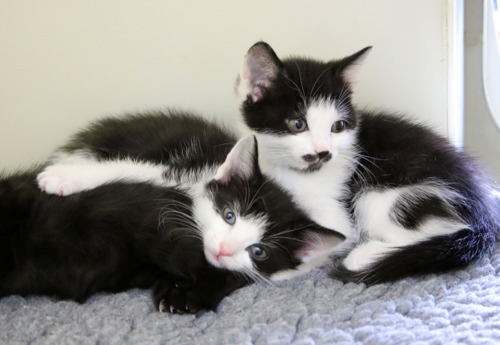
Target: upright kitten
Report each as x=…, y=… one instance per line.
x=407, y=201
x=239, y=221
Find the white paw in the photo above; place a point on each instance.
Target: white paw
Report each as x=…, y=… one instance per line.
x=61, y=180
x=367, y=254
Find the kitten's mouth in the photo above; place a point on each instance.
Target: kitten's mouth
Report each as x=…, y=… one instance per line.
x=212, y=259
x=314, y=167
x=310, y=168
x=315, y=161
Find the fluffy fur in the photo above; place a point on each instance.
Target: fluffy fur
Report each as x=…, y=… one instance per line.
x=115, y=237
x=407, y=201
x=202, y=227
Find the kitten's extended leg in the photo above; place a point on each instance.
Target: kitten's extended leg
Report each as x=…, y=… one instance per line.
x=65, y=179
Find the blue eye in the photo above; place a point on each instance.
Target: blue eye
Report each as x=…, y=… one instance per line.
x=257, y=252
x=297, y=125
x=339, y=126
x=229, y=215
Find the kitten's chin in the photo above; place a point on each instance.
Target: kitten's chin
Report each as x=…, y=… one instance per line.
x=212, y=259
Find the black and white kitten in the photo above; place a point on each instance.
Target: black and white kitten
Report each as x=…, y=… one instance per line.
x=112, y=238
x=152, y=194
x=407, y=201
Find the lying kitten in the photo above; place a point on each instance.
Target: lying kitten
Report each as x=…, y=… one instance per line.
x=197, y=239
x=115, y=237
x=407, y=201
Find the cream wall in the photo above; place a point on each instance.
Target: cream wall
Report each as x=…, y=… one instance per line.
x=65, y=62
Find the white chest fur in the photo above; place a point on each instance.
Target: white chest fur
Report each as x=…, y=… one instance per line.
x=319, y=194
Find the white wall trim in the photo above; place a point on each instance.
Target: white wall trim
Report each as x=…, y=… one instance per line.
x=491, y=61
x=454, y=37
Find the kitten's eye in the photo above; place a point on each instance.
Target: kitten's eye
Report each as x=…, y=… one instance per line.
x=297, y=125
x=339, y=126
x=229, y=215
x=257, y=252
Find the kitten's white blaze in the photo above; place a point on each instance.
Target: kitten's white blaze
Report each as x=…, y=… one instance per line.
x=320, y=117
x=225, y=245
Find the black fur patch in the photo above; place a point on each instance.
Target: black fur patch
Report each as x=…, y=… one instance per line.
x=412, y=210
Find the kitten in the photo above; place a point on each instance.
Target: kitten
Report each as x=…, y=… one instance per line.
x=407, y=201
x=115, y=237
x=196, y=236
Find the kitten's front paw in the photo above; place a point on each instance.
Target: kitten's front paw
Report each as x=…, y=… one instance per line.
x=179, y=299
x=60, y=180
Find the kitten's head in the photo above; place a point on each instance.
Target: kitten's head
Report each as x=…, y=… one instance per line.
x=300, y=109
x=250, y=225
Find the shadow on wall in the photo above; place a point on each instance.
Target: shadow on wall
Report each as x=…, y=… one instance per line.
x=491, y=58
x=481, y=132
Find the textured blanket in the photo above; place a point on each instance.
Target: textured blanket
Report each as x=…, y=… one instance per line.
x=461, y=307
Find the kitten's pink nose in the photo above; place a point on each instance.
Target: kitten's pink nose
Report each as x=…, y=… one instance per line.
x=226, y=249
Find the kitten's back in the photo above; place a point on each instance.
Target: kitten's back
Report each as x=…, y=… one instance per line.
x=157, y=137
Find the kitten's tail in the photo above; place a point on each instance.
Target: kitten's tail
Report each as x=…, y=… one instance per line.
x=440, y=253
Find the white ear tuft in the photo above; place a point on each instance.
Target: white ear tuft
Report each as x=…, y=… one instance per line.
x=241, y=161
x=352, y=64
x=318, y=244
x=260, y=68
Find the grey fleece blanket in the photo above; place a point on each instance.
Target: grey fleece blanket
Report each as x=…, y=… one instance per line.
x=461, y=307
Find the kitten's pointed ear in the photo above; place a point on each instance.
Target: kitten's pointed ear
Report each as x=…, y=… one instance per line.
x=241, y=161
x=259, y=70
x=349, y=66
x=318, y=244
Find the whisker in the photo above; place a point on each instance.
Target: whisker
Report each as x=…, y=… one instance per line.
x=275, y=239
x=257, y=277
x=312, y=94
x=301, y=94
x=255, y=196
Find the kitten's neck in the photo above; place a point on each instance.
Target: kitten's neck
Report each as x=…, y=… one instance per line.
x=321, y=193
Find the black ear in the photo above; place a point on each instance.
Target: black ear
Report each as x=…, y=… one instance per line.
x=349, y=66
x=318, y=243
x=260, y=68
x=242, y=161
